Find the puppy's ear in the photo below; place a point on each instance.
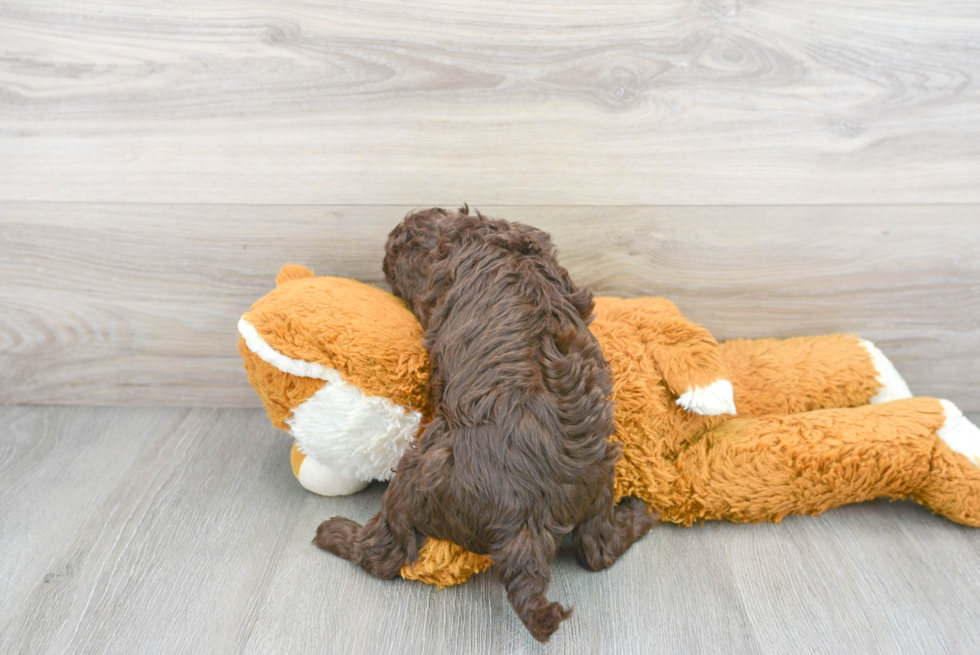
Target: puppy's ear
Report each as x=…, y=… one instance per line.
x=395, y=244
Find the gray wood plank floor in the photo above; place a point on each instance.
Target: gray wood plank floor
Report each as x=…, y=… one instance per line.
x=158, y=530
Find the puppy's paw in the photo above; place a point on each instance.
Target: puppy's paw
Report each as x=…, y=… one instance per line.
x=337, y=536
x=602, y=541
x=543, y=621
x=715, y=399
x=592, y=555
x=634, y=514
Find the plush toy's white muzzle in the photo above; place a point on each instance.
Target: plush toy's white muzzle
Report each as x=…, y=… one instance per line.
x=352, y=438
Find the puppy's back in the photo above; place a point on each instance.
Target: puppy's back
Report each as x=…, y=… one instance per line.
x=519, y=379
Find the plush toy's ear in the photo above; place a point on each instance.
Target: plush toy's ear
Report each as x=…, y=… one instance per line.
x=292, y=272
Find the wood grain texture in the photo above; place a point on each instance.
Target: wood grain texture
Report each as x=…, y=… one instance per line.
x=195, y=537
x=137, y=304
x=55, y=466
x=172, y=558
x=680, y=102
x=775, y=168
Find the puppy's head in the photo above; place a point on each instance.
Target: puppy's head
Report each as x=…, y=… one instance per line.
x=417, y=250
x=419, y=241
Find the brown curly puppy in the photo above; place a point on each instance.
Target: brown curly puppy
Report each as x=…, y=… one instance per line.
x=517, y=453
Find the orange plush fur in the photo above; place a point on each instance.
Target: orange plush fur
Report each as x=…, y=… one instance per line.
x=804, y=439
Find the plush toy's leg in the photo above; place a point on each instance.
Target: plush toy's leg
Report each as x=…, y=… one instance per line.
x=320, y=479
x=611, y=530
x=765, y=468
x=523, y=566
x=788, y=376
x=686, y=355
x=891, y=385
x=953, y=489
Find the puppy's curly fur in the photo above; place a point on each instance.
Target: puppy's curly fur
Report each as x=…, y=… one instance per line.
x=517, y=453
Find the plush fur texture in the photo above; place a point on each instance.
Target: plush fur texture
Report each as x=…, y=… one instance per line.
x=319, y=379
x=805, y=438
x=362, y=436
x=517, y=453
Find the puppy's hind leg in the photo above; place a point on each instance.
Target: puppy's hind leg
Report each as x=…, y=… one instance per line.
x=611, y=529
x=391, y=538
x=523, y=565
x=379, y=548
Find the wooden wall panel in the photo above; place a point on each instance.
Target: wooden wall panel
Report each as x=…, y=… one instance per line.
x=678, y=102
x=137, y=304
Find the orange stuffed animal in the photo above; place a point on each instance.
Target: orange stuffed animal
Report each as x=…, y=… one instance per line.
x=747, y=430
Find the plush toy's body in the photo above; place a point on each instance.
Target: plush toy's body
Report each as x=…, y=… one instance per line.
x=821, y=421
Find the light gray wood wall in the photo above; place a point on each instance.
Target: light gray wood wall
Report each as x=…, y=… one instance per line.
x=580, y=102
x=776, y=169
x=120, y=303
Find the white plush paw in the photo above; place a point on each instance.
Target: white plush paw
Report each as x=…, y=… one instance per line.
x=321, y=480
x=891, y=386
x=960, y=433
x=712, y=400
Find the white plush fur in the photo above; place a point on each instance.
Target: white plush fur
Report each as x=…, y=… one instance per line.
x=712, y=400
x=270, y=355
x=317, y=478
x=891, y=386
x=959, y=433
x=354, y=434
x=340, y=427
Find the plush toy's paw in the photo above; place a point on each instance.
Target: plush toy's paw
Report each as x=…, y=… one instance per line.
x=712, y=400
x=959, y=433
x=891, y=385
x=320, y=479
